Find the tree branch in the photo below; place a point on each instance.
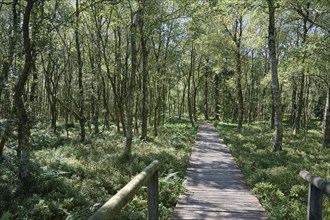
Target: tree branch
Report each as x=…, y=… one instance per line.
x=305, y=16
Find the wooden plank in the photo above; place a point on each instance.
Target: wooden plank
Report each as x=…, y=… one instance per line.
x=211, y=205
x=195, y=214
x=215, y=187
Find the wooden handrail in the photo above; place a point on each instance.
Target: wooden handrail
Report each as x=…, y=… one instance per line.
x=317, y=187
x=125, y=195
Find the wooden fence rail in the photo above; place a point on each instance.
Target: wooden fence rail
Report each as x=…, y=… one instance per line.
x=317, y=187
x=125, y=195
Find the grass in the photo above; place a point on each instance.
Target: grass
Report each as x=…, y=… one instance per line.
x=72, y=180
x=274, y=177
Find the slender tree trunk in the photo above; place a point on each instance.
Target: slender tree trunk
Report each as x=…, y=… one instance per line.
x=164, y=91
x=50, y=89
x=95, y=96
x=189, y=98
x=300, y=103
x=54, y=115
x=297, y=119
x=293, y=103
x=118, y=71
x=272, y=115
x=23, y=127
x=34, y=86
x=275, y=84
x=326, y=119
x=181, y=105
x=206, y=91
x=216, y=96
x=144, y=73
x=194, y=95
x=96, y=112
x=129, y=108
x=251, y=91
x=156, y=119
x=240, y=103
x=136, y=114
x=80, y=79
x=105, y=103
x=307, y=111
x=95, y=106
x=158, y=108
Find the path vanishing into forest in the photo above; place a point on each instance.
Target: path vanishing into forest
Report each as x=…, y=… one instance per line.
x=215, y=188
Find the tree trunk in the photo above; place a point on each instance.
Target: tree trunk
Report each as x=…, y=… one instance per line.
x=80, y=79
x=272, y=115
x=23, y=127
x=105, y=103
x=96, y=112
x=50, y=89
x=216, y=96
x=189, y=98
x=275, y=84
x=293, y=103
x=96, y=92
x=181, y=105
x=307, y=111
x=118, y=70
x=54, y=115
x=240, y=104
x=195, y=89
x=326, y=119
x=34, y=86
x=129, y=107
x=300, y=103
x=206, y=91
x=144, y=115
x=157, y=100
x=136, y=114
x=95, y=107
x=164, y=91
x=7, y=63
x=251, y=91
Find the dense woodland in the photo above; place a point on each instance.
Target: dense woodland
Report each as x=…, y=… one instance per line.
x=94, y=67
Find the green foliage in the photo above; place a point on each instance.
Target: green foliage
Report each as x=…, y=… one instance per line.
x=274, y=177
x=72, y=180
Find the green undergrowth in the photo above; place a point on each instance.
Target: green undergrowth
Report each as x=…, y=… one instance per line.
x=72, y=180
x=274, y=177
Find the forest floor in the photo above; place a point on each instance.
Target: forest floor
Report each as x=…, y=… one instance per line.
x=71, y=180
x=274, y=177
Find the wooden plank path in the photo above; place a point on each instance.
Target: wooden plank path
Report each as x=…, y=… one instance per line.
x=215, y=188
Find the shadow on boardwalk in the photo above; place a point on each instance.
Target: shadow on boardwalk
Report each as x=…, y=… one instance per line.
x=215, y=188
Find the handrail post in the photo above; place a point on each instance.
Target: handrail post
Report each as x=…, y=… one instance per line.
x=153, y=197
x=317, y=187
x=315, y=199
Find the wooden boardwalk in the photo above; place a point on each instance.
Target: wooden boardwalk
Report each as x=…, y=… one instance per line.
x=215, y=188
